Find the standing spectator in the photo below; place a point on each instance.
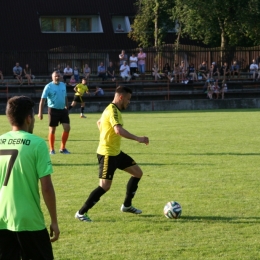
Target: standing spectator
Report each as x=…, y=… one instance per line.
x=141, y=62
x=102, y=71
x=122, y=57
x=56, y=95
x=76, y=73
x=99, y=92
x=191, y=72
x=86, y=71
x=17, y=70
x=111, y=71
x=1, y=76
x=80, y=89
x=110, y=156
x=235, y=70
x=253, y=69
x=224, y=70
x=28, y=74
x=133, y=61
x=23, y=233
x=67, y=73
x=202, y=72
x=125, y=72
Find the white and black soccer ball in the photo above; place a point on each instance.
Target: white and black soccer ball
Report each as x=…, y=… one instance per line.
x=172, y=210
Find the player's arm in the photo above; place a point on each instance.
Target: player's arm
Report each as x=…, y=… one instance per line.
x=119, y=130
x=98, y=123
x=41, y=105
x=49, y=197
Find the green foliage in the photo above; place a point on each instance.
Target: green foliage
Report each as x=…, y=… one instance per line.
x=205, y=160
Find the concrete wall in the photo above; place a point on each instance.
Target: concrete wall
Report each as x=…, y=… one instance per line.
x=196, y=104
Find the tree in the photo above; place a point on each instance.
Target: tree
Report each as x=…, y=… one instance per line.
x=219, y=22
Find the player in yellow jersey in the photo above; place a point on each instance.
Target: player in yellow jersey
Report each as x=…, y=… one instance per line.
x=110, y=157
x=80, y=89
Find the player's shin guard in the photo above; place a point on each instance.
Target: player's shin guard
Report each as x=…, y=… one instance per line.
x=51, y=141
x=93, y=198
x=131, y=189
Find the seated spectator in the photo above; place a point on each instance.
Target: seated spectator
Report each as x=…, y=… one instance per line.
x=59, y=70
x=167, y=71
x=210, y=90
x=202, y=72
x=235, y=70
x=119, y=28
x=191, y=72
x=176, y=73
x=17, y=71
x=133, y=60
x=125, y=72
x=1, y=76
x=216, y=89
x=73, y=81
x=102, y=71
x=155, y=72
x=253, y=69
x=182, y=71
x=224, y=70
x=28, y=74
x=111, y=71
x=223, y=89
x=68, y=72
x=86, y=71
x=76, y=73
x=99, y=92
x=214, y=70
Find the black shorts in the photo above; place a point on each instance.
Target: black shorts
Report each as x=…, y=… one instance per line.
x=25, y=244
x=109, y=164
x=78, y=99
x=57, y=116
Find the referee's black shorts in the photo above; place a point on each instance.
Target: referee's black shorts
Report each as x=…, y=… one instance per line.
x=58, y=116
x=109, y=164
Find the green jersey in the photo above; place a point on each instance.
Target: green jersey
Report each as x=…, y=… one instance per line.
x=24, y=159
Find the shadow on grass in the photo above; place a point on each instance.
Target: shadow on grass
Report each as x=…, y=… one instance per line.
x=74, y=164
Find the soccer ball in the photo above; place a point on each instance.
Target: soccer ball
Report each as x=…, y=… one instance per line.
x=172, y=210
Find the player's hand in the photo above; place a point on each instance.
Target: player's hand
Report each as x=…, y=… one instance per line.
x=40, y=116
x=144, y=140
x=54, y=232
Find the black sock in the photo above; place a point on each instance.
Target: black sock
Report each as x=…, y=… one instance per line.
x=82, y=109
x=92, y=199
x=70, y=107
x=131, y=189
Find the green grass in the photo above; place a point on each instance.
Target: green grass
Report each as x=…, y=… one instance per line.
x=208, y=161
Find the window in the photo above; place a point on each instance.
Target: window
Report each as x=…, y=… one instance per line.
x=80, y=24
x=53, y=24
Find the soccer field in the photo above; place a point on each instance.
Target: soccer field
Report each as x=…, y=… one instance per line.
x=208, y=161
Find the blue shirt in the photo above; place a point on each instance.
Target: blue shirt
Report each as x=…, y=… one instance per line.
x=55, y=95
x=101, y=69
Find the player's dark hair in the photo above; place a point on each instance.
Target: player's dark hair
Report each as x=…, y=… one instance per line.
x=123, y=90
x=18, y=108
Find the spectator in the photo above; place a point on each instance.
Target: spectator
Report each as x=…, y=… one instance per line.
x=210, y=90
x=119, y=28
x=167, y=71
x=216, y=89
x=99, y=92
x=214, y=70
x=111, y=71
x=1, y=76
x=86, y=71
x=125, y=72
x=223, y=89
x=17, y=70
x=235, y=70
x=182, y=71
x=122, y=57
x=133, y=60
x=73, y=81
x=141, y=62
x=102, y=71
x=155, y=72
x=253, y=69
x=59, y=70
x=67, y=73
x=192, y=72
x=176, y=73
x=76, y=73
x=28, y=74
x=224, y=70
x=203, y=70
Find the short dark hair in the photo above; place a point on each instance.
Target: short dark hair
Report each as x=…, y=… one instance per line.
x=18, y=108
x=123, y=90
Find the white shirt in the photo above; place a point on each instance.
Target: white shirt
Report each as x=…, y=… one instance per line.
x=133, y=62
x=253, y=66
x=124, y=69
x=66, y=70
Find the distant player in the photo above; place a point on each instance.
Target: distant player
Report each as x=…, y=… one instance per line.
x=24, y=163
x=110, y=156
x=80, y=89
